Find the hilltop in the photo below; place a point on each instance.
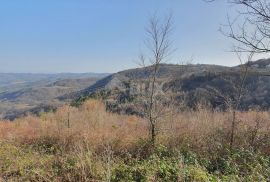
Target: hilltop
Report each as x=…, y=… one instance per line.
x=190, y=85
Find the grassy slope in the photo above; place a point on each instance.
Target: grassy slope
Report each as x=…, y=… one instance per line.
x=90, y=144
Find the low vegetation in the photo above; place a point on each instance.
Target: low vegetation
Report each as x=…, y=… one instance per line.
x=90, y=144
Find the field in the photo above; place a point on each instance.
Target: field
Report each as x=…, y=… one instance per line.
x=90, y=144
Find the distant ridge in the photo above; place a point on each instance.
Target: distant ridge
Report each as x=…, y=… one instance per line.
x=27, y=92
x=190, y=85
x=194, y=83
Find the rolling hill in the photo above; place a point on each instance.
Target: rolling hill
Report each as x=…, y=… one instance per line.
x=21, y=93
x=189, y=85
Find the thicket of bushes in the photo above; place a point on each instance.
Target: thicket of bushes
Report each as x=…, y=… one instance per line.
x=90, y=144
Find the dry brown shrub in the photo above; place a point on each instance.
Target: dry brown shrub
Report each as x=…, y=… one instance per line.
x=91, y=126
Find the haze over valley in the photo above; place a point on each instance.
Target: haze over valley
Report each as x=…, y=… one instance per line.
x=22, y=92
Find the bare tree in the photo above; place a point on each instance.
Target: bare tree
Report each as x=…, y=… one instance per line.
x=159, y=48
x=251, y=31
x=251, y=28
x=240, y=89
x=232, y=101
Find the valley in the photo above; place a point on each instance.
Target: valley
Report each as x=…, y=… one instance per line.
x=34, y=93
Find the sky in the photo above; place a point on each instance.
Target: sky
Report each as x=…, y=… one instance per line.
x=52, y=36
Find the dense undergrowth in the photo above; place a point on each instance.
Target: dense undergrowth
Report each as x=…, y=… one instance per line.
x=90, y=144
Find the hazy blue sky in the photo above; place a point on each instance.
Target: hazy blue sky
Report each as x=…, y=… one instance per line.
x=104, y=35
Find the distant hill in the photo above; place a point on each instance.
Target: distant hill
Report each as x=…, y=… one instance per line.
x=39, y=93
x=190, y=85
x=16, y=81
x=262, y=64
x=166, y=73
x=20, y=93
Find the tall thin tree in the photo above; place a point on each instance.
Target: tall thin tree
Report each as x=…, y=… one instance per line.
x=158, y=45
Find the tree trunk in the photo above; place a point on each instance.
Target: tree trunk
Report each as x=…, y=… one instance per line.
x=153, y=134
x=232, y=130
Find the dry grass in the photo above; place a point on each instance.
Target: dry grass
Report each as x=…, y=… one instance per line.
x=91, y=124
x=97, y=139
x=206, y=129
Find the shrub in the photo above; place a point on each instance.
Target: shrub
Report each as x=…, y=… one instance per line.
x=99, y=145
